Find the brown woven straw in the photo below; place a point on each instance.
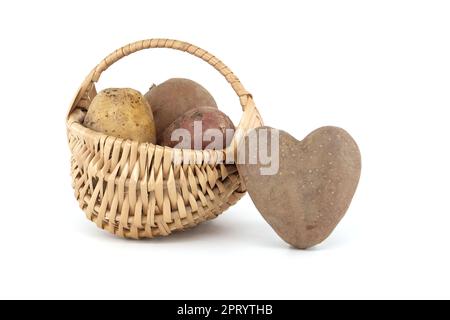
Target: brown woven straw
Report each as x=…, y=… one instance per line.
x=137, y=190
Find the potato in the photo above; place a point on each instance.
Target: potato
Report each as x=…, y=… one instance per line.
x=197, y=124
x=123, y=113
x=305, y=187
x=173, y=98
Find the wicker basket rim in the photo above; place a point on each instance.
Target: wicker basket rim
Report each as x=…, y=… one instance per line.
x=76, y=111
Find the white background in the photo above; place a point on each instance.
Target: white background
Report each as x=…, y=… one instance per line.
x=379, y=69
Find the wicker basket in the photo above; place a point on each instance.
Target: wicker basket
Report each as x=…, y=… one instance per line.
x=137, y=190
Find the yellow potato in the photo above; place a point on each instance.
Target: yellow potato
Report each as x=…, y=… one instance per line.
x=123, y=113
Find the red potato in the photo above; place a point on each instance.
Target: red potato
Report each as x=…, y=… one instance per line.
x=175, y=97
x=200, y=128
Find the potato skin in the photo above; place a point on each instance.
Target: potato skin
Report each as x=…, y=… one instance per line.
x=210, y=118
x=175, y=97
x=123, y=113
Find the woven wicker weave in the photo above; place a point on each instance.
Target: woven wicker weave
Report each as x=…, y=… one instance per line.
x=137, y=190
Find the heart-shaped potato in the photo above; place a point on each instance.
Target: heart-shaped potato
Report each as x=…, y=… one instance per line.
x=308, y=195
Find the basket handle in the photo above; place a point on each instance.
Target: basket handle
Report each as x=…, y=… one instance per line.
x=88, y=85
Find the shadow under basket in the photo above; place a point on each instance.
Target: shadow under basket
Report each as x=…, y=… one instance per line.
x=140, y=190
